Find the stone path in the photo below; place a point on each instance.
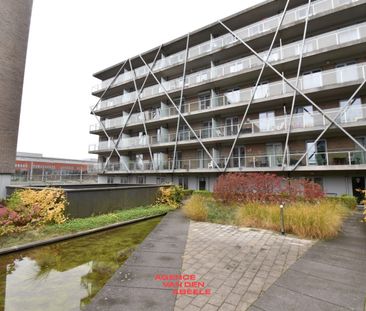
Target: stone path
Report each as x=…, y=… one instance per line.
x=237, y=264
x=330, y=276
x=133, y=287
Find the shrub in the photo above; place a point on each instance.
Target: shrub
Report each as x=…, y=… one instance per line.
x=205, y=193
x=29, y=208
x=318, y=221
x=187, y=192
x=264, y=188
x=196, y=207
x=51, y=202
x=348, y=201
x=171, y=196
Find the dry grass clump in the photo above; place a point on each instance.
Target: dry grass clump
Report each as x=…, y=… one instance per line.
x=196, y=208
x=321, y=220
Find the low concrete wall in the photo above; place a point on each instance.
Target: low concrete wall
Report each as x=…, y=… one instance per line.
x=85, y=201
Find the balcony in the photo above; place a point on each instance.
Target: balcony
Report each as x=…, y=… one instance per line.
x=352, y=159
x=264, y=26
x=331, y=78
x=353, y=116
x=325, y=41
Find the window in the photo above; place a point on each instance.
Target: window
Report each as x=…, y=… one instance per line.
x=266, y=121
x=231, y=126
x=316, y=153
x=359, y=156
x=124, y=180
x=183, y=133
x=232, y=96
x=204, y=101
x=262, y=90
x=312, y=79
x=183, y=182
x=161, y=180
x=303, y=117
x=239, y=156
x=274, y=154
x=110, y=180
x=178, y=160
x=353, y=113
x=202, y=183
x=140, y=161
x=206, y=131
x=201, y=155
x=140, y=179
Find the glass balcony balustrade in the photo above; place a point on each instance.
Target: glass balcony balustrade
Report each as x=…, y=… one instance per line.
x=300, y=121
x=250, y=162
x=328, y=40
x=245, y=33
x=335, y=77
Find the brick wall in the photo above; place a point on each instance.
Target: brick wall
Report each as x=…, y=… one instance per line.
x=14, y=28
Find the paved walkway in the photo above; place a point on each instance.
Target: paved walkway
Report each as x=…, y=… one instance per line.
x=330, y=276
x=133, y=287
x=236, y=264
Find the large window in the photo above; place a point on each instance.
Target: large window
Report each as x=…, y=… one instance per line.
x=239, y=156
x=231, y=126
x=274, y=154
x=204, y=101
x=303, y=117
x=206, y=131
x=316, y=153
x=266, y=121
x=353, y=113
x=262, y=90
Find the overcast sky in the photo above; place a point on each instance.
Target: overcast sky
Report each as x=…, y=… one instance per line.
x=71, y=39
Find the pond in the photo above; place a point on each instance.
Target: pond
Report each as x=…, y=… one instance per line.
x=67, y=275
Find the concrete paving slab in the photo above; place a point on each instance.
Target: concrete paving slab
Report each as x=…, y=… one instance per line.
x=113, y=298
x=154, y=259
x=338, y=293
x=279, y=298
x=129, y=276
x=331, y=273
x=330, y=276
x=162, y=247
x=133, y=286
x=334, y=259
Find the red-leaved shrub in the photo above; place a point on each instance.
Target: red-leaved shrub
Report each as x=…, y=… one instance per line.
x=265, y=188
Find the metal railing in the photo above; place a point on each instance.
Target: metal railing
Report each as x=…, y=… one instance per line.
x=345, y=35
x=331, y=158
x=354, y=114
x=258, y=28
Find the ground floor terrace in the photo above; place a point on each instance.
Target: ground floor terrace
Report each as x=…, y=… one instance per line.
x=332, y=182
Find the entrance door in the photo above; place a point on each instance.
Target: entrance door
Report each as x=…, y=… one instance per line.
x=358, y=183
x=202, y=183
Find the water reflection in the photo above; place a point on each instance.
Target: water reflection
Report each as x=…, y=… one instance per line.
x=66, y=275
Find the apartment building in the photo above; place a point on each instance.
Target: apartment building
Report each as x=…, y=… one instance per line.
x=279, y=87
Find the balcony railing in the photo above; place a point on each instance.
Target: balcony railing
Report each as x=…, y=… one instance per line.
x=270, y=161
x=352, y=73
x=300, y=121
x=263, y=26
x=332, y=39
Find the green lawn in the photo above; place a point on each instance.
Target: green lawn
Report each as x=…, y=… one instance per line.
x=81, y=224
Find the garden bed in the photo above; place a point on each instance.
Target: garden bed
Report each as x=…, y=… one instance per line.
x=80, y=225
x=253, y=200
